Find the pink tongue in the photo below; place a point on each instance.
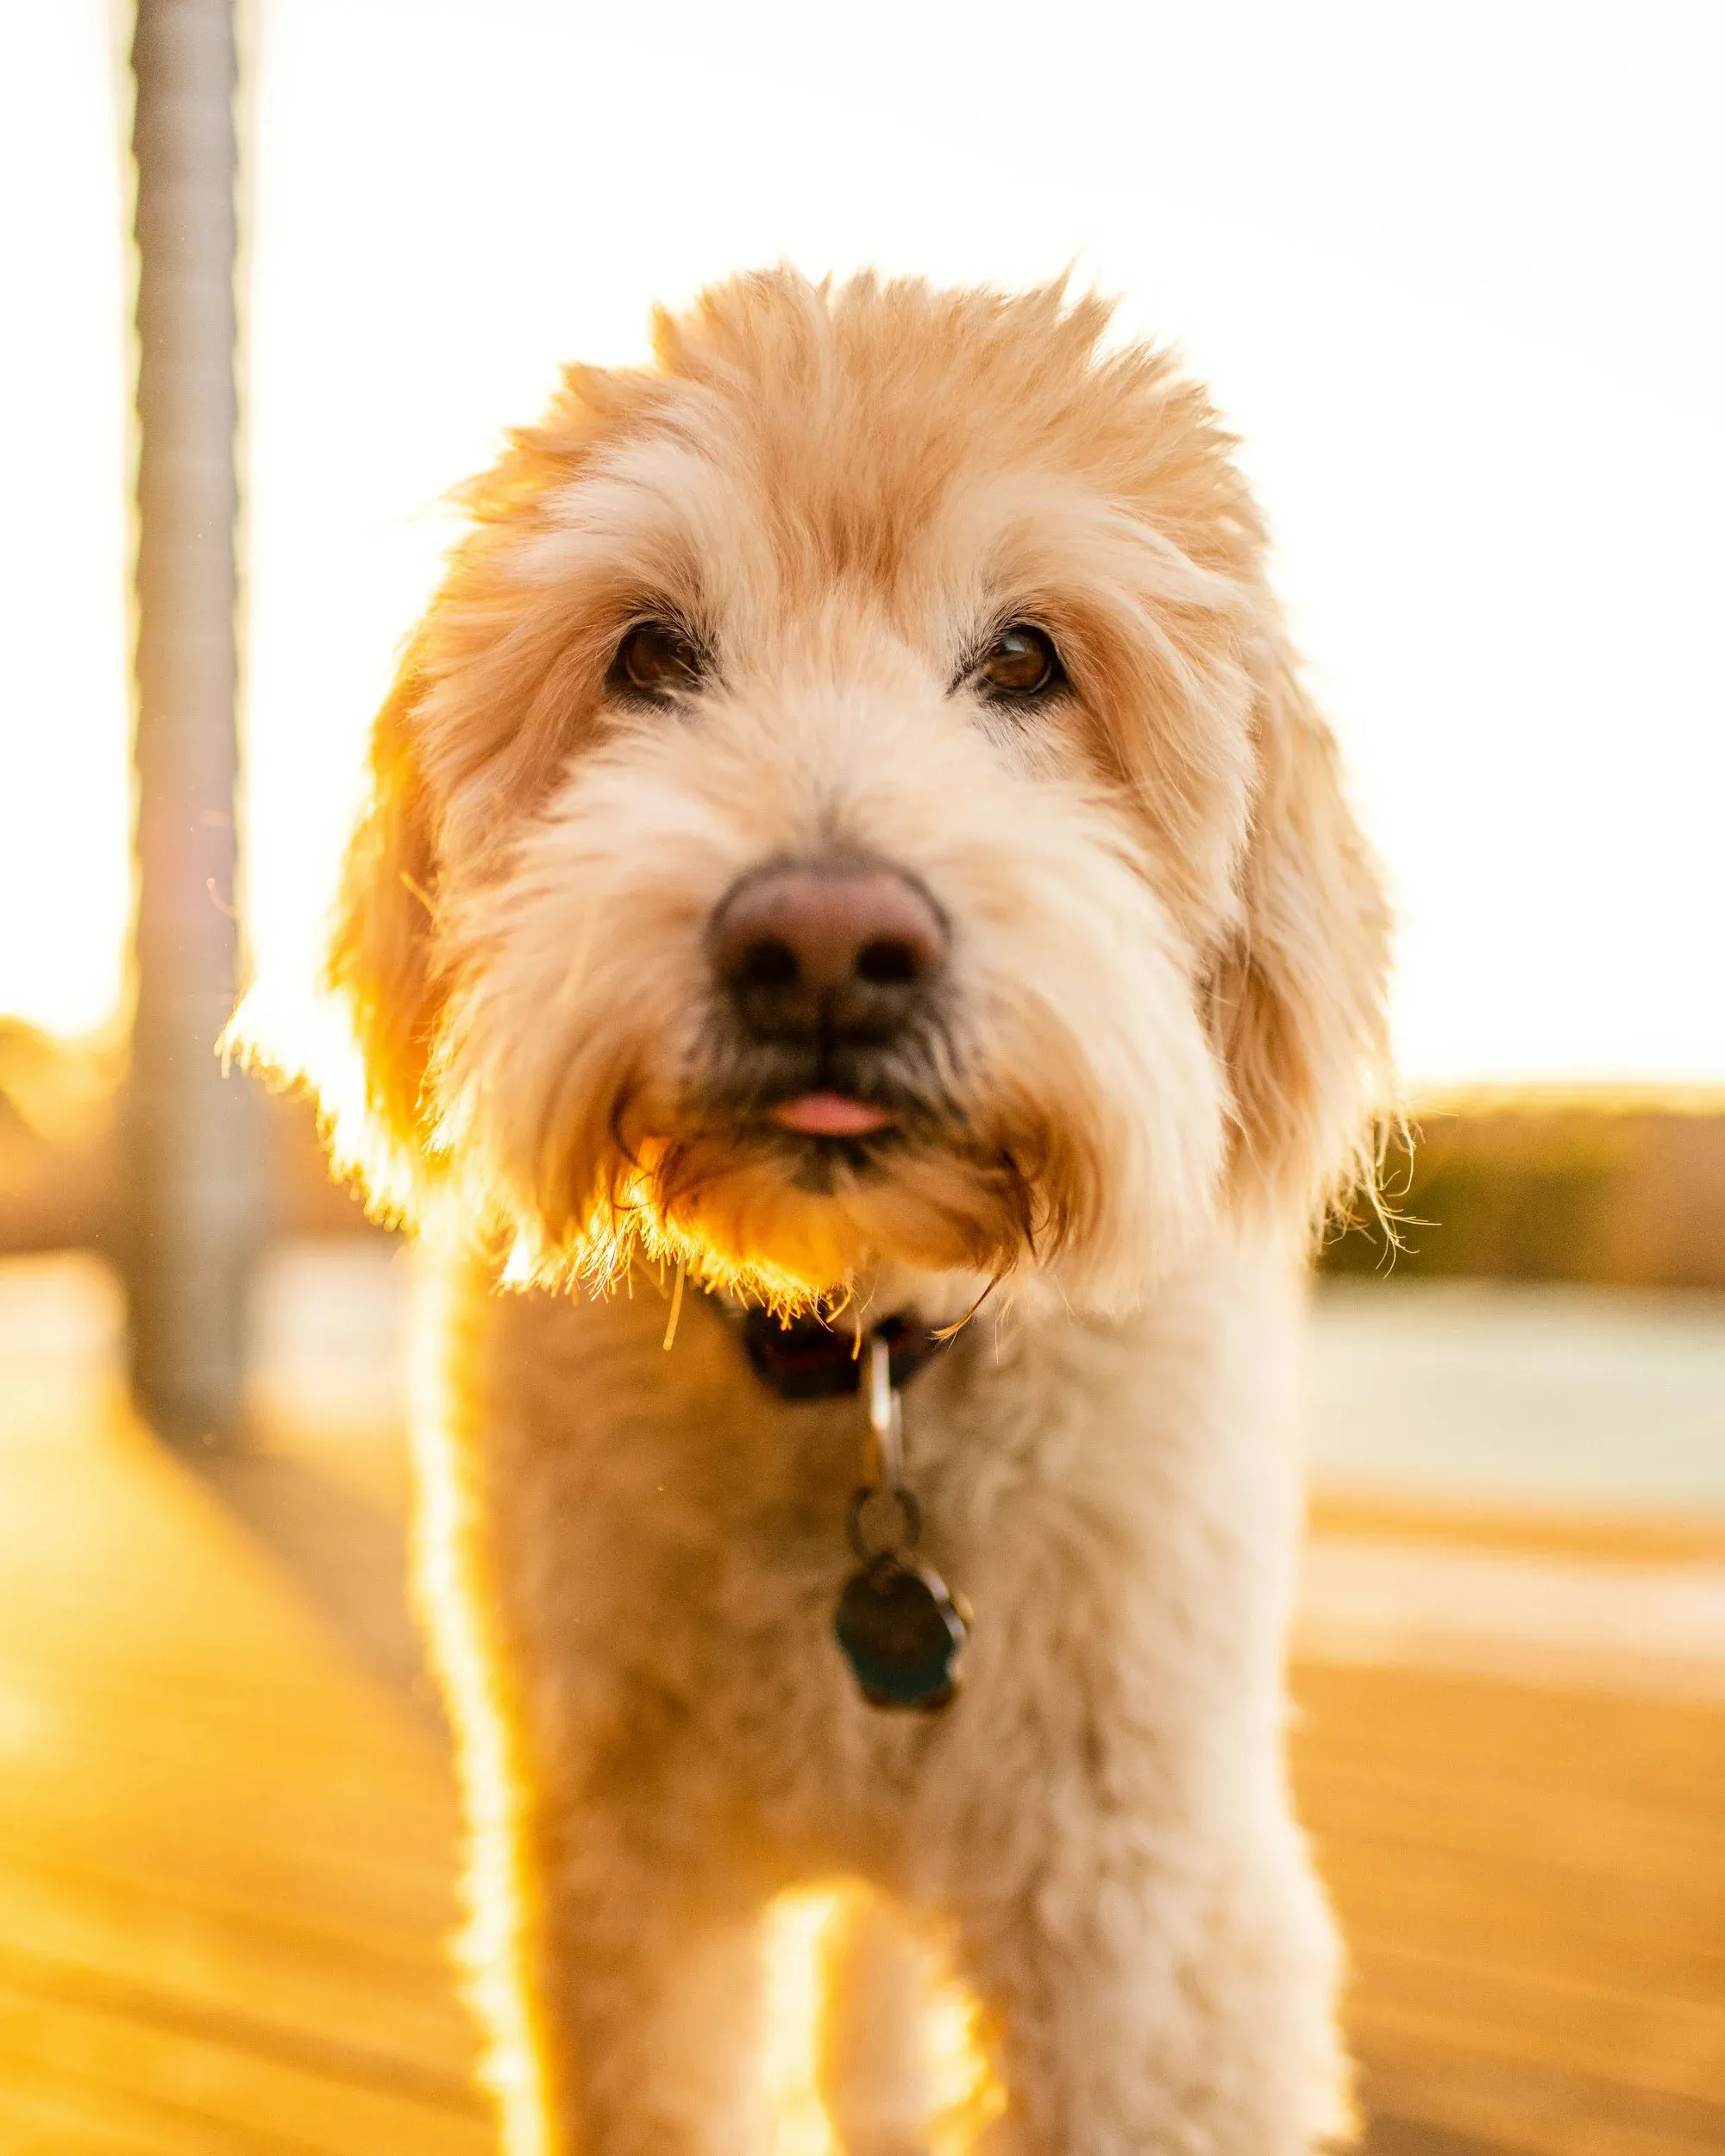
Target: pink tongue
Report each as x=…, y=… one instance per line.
x=829, y=1115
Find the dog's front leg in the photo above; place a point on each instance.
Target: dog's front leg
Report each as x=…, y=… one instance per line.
x=1148, y=2009
x=643, y=1984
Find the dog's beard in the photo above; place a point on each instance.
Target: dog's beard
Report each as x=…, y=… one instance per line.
x=701, y=1178
x=991, y=1182
x=794, y=1224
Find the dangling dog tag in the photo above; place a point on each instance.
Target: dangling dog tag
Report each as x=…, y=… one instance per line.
x=901, y=1631
x=902, y=1634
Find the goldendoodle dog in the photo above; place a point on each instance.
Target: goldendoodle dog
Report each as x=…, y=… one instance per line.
x=866, y=985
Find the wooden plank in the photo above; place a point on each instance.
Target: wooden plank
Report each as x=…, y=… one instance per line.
x=1655, y=2046
x=1487, y=1909
x=214, y=2078
x=76, y=1937
x=1533, y=1885
x=1634, y=1538
x=1613, y=1761
x=38, y=2117
x=1416, y=2073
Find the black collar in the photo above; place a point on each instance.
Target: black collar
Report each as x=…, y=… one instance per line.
x=809, y=1359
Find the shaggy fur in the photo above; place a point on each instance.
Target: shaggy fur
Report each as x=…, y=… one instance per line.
x=1158, y=1043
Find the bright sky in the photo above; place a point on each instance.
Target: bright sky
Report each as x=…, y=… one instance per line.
x=1458, y=276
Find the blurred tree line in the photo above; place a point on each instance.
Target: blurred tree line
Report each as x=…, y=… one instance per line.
x=1573, y=1185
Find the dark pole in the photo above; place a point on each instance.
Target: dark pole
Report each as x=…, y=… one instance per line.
x=194, y=1176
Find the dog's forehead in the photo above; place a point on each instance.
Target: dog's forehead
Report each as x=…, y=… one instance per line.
x=921, y=451
x=763, y=511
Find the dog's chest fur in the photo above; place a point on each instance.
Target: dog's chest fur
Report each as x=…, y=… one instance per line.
x=661, y=1542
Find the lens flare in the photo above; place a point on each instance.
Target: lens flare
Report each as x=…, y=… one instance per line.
x=801, y=1932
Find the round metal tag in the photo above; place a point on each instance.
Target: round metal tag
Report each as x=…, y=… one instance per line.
x=902, y=1634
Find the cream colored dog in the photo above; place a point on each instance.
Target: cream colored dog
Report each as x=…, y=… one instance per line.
x=849, y=835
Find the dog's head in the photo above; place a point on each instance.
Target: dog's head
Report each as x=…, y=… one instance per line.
x=850, y=802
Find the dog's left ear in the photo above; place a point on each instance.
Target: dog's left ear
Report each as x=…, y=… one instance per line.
x=1297, y=999
x=360, y=1047
x=379, y=971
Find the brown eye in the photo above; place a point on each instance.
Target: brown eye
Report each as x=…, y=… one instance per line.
x=656, y=660
x=1022, y=663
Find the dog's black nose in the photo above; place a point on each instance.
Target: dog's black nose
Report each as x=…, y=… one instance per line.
x=838, y=950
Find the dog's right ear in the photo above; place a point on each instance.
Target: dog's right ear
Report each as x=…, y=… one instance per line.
x=1298, y=1001
x=379, y=972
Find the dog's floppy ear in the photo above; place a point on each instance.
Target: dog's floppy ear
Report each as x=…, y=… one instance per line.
x=379, y=969
x=1298, y=998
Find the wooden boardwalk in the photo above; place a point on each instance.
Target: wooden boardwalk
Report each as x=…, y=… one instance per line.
x=226, y=1830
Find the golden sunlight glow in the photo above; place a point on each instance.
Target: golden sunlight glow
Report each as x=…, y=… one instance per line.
x=801, y=1930
x=64, y=797
x=288, y=1033
x=496, y=1894
x=628, y=1225
x=805, y=1932
x=967, y=2095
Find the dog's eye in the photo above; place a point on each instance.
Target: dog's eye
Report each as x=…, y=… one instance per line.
x=656, y=660
x=1022, y=663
